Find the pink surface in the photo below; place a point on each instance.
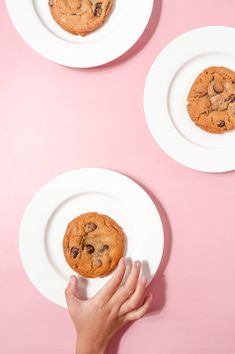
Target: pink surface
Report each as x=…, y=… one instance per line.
x=54, y=119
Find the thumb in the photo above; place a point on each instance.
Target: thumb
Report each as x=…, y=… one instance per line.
x=71, y=292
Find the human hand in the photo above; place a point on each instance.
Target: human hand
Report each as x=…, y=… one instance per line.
x=97, y=319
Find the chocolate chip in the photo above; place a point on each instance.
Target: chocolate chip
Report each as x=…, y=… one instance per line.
x=89, y=248
x=97, y=263
x=221, y=123
x=98, y=9
x=218, y=87
x=232, y=99
x=74, y=252
x=51, y=2
x=90, y=227
x=104, y=248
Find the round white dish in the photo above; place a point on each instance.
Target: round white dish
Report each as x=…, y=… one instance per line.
x=74, y=193
x=165, y=99
x=33, y=21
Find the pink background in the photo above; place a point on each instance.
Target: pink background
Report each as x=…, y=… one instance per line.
x=54, y=119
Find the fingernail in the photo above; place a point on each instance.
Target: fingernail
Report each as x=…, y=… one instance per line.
x=123, y=261
x=143, y=279
x=72, y=278
x=137, y=264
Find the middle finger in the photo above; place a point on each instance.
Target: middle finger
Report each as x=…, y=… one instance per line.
x=125, y=291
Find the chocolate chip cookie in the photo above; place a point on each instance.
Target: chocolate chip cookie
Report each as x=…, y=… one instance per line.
x=93, y=244
x=80, y=16
x=211, y=100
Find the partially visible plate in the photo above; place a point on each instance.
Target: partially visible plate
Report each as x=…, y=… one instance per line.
x=165, y=99
x=33, y=20
x=69, y=195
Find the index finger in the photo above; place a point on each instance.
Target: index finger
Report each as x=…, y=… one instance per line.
x=105, y=294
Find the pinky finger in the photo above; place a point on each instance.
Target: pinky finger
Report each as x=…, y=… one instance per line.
x=141, y=311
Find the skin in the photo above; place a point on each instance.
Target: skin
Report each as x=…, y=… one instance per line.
x=97, y=319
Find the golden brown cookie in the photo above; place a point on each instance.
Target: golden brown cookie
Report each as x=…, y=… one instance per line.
x=93, y=244
x=80, y=16
x=211, y=100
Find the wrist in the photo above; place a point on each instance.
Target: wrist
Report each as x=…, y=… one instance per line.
x=89, y=347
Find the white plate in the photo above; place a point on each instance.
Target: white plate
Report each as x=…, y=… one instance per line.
x=33, y=20
x=69, y=195
x=165, y=99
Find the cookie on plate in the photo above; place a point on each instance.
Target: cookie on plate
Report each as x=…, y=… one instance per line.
x=211, y=100
x=80, y=16
x=93, y=244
